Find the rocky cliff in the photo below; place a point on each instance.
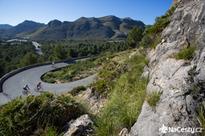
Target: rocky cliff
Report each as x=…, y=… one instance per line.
x=180, y=81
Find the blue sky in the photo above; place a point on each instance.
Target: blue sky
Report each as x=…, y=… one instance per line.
x=16, y=11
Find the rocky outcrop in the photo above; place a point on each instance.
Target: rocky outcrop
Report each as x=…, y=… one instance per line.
x=176, y=79
x=93, y=100
x=124, y=132
x=82, y=126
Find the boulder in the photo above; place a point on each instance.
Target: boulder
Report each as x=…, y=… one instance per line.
x=82, y=126
x=124, y=132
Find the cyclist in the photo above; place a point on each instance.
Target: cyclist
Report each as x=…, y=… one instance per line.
x=26, y=89
x=39, y=86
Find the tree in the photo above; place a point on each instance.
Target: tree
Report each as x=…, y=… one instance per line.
x=1, y=68
x=69, y=53
x=59, y=52
x=134, y=37
x=146, y=41
x=28, y=59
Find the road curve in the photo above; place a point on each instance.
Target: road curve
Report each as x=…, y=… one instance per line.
x=13, y=86
x=37, y=48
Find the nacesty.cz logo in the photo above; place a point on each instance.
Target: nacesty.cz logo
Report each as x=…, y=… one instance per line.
x=165, y=129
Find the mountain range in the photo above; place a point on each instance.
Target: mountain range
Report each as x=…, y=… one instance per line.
x=107, y=27
x=5, y=26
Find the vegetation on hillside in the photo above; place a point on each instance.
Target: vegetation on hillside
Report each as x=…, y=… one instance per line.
x=84, y=68
x=125, y=99
x=152, y=34
x=77, y=90
x=76, y=71
x=186, y=53
x=58, y=50
x=38, y=115
x=135, y=36
x=110, y=71
x=126, y=90
x=29, y=59
x=13, y=56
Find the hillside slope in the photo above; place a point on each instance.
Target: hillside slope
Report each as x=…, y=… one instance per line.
x=176, y=70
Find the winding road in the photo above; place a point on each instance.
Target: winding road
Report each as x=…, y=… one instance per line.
x=37, y=48
x=13, y=86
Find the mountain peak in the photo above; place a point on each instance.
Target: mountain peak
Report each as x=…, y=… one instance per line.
x=54, y=23
x=110, y=18
x=127, y=18
x=28, y=21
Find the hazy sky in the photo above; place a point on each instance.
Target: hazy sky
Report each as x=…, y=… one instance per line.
x=16, y=11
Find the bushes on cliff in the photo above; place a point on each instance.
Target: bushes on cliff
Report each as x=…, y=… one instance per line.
x=161, y=22
x=186, y=53
x=153, y=98
x=152, y=34
x=26, y=116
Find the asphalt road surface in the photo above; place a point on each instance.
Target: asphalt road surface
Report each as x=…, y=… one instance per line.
x=13, y=86
x=37, y=47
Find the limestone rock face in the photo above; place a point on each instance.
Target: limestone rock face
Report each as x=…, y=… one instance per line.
x=175, y=78
x=80, y=127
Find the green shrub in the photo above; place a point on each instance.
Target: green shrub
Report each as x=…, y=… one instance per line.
x=29, y=59
x=186, y=53
x=107, y=75
x=159, y=26
x=153, y=98
x=77, y=90
x=50, y=131
x=146, y=41
x=135, y=36
x=100, y=86
x=125, y=100
x=201, y=117
x=23, y=116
